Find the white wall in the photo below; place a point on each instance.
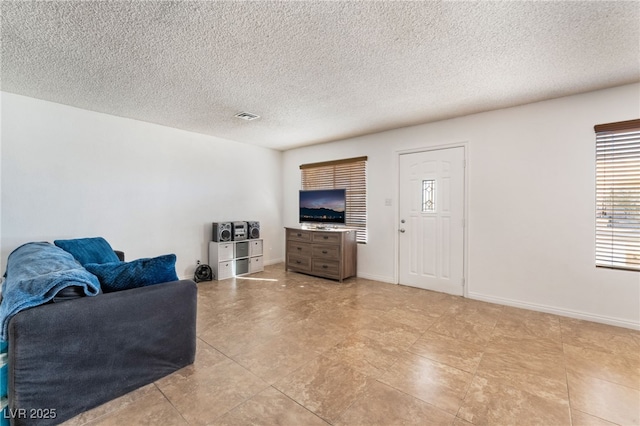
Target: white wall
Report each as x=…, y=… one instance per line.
x=148, y=189
x=531, y=176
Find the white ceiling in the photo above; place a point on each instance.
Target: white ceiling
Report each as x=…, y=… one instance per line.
x=314, y=71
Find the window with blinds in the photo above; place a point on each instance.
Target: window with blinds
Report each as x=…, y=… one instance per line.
x=351, y=174
x=618, y=195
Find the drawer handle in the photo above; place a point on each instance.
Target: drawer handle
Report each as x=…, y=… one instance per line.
x=299, y=235
x=298, y=262
x=324, y=252
x=324, y=266
x=299, y=248
x=325, y=237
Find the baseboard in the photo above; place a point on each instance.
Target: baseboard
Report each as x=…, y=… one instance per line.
x=556, y=311
x=273, y=262
x=376, y=278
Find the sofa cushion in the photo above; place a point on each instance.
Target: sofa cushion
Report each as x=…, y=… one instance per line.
x=89, y=250
x=116, y=276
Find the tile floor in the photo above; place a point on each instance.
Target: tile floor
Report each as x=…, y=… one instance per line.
x=289, y=349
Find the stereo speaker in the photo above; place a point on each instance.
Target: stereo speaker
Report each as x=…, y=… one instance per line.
x=239, y=231
x=253, y=229
x=222, y=231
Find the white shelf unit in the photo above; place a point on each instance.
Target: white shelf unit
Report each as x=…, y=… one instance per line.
x=235, y=258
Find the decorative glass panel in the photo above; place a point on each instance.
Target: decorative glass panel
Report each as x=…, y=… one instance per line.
x=429, y=195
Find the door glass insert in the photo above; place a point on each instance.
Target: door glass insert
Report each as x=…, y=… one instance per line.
x=429, y=195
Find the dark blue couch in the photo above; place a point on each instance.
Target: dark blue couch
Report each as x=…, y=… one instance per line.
x=66, y=358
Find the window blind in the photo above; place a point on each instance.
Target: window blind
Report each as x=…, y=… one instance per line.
x=618, y=195
x=351, y=174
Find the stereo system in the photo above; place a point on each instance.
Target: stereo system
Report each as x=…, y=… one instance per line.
x=235, y=231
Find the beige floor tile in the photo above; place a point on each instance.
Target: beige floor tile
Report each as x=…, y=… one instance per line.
x=534, y=365
x=433, y=382
x=524, y=344
x=323, y=386
x=528, y=375
x=468, y=307
x=388, y=332
x=421, y=319
x=374, y=300
x=246, y=334
x=267, y=408
x=367, y=356
x=276, y=358
x=318, y=337
x=523, y=324
x=202, y=393
x=382, y=405
x=151, y=409
x=447, y=350
x=605, y=400
x=578, y=418
x=616, y=368
x=602, y=337
x=117, y=404
x=491, y=402
x=468, y=324
x=461, y=422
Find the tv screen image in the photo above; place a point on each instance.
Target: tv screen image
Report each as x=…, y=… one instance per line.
x=323, y=206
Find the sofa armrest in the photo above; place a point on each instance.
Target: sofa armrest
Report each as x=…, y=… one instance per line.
x=72, y=356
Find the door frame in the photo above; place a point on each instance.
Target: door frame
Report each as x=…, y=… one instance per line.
x=465, y=212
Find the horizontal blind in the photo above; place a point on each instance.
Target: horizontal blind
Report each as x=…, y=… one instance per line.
x=618, y=195
x=350, y=174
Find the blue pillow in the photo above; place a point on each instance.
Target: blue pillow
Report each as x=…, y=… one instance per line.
x=89, y=250
x=137, y=273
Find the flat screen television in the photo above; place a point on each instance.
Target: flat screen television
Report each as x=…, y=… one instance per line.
x=323, y=206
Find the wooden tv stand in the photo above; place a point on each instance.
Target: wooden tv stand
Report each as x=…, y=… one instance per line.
x=329, y=253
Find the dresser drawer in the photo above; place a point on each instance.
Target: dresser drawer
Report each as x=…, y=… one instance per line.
x=296, y=235
x=300, y=249
x=326, y=237
x=329, y=252
x=301, y=263
x=326, y=267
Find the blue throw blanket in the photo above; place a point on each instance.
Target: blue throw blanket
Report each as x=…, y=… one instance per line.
x=36, y=272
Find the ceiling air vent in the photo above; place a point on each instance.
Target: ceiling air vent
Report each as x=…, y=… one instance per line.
x=247, y=116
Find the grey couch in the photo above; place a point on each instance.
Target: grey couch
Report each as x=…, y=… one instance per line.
x=66, y=358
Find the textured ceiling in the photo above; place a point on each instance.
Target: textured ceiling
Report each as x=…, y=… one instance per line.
x=314, y=71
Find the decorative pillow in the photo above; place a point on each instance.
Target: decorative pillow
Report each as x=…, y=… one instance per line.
x=137, y=273
x=89, y=250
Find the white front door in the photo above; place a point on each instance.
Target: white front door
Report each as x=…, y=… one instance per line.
x=431, y=202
